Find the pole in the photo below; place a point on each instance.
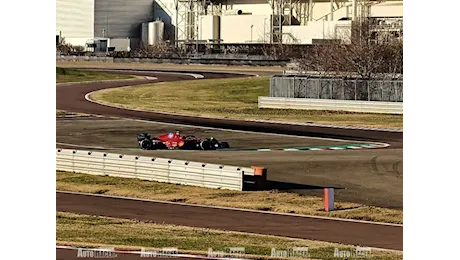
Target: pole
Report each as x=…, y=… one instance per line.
x=264, y=28
x=332, y=11
x=328, y=199
x=176, y=29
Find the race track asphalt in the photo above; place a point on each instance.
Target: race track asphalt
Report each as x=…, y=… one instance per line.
x=345, y=232
x=72, y=98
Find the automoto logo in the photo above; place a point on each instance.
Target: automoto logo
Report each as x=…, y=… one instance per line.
x=232, y=252
x=101, y=252
x=359, y=252
x=164, y=252
x=293, y=252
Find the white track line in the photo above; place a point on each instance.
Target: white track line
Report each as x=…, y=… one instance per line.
x=88, y=98
x=147, y=251
x=176, y=72
x=234, y=209
x=194, y=75
x=330, y=126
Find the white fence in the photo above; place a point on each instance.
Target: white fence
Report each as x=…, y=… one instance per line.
x=153, y=169
x=332, y=104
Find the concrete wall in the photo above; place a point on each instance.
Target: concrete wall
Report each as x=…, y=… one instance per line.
x=388, y=9
x=254, y=7
x=237, y=28
x=314, y=30
x=206, y=27
x=74, y=20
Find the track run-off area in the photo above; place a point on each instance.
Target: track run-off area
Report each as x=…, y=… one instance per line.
x=73, y=97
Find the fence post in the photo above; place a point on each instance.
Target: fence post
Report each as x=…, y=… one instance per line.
x=270, y=89
x=317, y=88
x=331, y=89
x=328, y=199
x=355, y=89
x=381, y=87
x=368, y=91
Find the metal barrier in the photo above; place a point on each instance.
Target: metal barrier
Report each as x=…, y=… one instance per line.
x=331, y=104
x=314, y=86
x=153, y=169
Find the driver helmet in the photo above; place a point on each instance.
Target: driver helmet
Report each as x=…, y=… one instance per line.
x=177, y=132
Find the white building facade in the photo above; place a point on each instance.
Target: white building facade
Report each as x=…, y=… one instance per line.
x=75, y=20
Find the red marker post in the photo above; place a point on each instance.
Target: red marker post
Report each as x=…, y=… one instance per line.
x=328, y=199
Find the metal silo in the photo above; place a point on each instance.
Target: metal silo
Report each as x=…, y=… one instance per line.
x=156, y=34
x=152, y=32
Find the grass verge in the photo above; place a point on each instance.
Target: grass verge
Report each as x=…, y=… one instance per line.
x=230, y=98
x=78, y=230
x=260, y=200
x=63, y=113
x=64, y=75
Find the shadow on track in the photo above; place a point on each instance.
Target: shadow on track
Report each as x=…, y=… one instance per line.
x=279, y=185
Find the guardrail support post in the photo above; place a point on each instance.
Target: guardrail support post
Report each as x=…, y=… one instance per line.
x=328, y=199
x=259, y=178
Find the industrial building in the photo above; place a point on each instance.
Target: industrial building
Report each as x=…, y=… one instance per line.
x=147, y=22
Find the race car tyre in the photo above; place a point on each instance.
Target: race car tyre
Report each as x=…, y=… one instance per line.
x=206, y=145
x=146, y=144
x=143, y=136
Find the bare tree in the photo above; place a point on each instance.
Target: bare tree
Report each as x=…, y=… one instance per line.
x=278, y=51
x=320, y=59
x=158, y=50
x=366, y=52
x=68, y=49
x=63, y=47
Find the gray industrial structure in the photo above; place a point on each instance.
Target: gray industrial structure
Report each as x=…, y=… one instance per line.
x=231, y=22
x=122, y=19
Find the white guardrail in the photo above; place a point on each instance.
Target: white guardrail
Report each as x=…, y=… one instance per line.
x=152, y=169
x=332, y=104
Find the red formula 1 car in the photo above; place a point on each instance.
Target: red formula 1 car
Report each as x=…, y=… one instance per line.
x=176, y=141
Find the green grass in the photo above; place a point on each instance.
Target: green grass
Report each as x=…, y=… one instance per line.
x=230, y=98
x=71, y=75
x=63, y=113
x=74, y=229
x=259, y=200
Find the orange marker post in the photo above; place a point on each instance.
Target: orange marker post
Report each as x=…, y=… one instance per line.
x=260, y=177
x=328, y=199
x=259, y=171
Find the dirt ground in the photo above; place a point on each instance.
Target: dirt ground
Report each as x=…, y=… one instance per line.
x=370, y=177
